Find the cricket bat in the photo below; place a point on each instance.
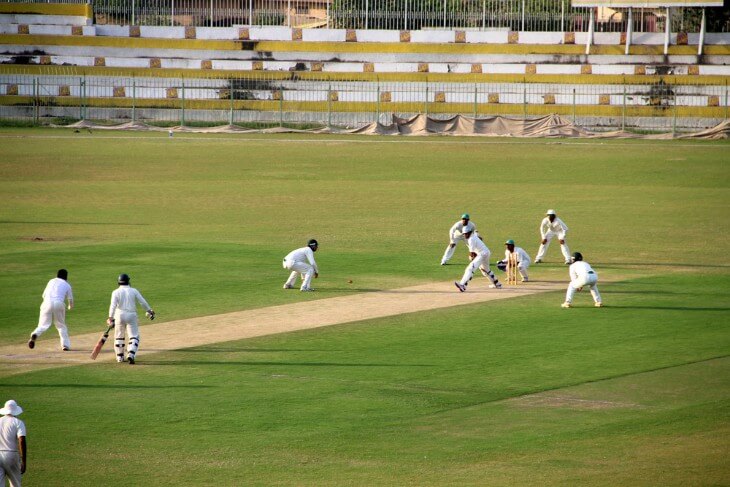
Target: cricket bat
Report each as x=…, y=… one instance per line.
x=100, y=343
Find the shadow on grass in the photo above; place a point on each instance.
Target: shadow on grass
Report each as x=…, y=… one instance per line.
x=668, y=308
x=105, y=386
x=278, y=364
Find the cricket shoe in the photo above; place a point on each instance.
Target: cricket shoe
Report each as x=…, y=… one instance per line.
x=459, y=286
x=598, y=305
x=567, y=262
x=566, y=305
x=31, y=342
x=524, y=279
x=306, y=289
x=496, y=286
x=65, y=349
x=538, y=261
x=288, y=286
x=130, y=360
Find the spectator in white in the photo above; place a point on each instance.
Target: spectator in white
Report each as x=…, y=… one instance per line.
x=456, y=234
x=480, y=260
x=301, y=263
x=12, y=444
x=581, y=274
x=53, y=309
x=523, y=259
x=552, y=226
x=123, y=316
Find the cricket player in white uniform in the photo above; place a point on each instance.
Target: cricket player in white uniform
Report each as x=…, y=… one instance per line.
x=123, y=315
x=523, y=259
x=456, y=234
x=301, y=263
x=582, y=274
x=56, y=296
x=12, y=445
x=552, y=226
x=481, y=253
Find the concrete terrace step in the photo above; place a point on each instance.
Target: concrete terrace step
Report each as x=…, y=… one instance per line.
x=47, y=29
x=514, y=68
x=35, y=19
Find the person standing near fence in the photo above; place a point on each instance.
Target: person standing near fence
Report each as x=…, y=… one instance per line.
x=550, y=227
x=53, y=309
x=13, y=448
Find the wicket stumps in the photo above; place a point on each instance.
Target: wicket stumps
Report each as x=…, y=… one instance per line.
x=512, y=271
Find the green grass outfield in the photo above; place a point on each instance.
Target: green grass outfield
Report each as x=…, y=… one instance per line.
x=514, y=392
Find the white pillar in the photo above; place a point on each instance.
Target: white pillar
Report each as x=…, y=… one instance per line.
x=589, y=38
x=703, y=26
x=629, y=30
x=667, y=31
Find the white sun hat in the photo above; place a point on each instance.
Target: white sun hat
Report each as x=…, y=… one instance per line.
x=550, y=212
x=12, y=408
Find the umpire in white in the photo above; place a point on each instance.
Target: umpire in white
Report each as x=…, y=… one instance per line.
x=123, y=316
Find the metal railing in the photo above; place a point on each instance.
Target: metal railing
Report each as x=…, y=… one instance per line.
x=515, y=15
x=663, y=104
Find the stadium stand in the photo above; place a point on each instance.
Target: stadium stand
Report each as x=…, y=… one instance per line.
x=349, y=75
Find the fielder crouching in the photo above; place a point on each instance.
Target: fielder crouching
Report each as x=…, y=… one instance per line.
x=123, y=316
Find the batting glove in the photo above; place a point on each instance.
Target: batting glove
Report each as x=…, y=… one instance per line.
x=150, y=314
x=110, y=321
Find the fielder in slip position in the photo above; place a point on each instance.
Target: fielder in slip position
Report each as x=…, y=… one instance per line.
x=480, y=260
x=53, y=309
x=521, y=257
x=301, y=263
x=456, y=234
x=581, y=274
x=552, y=226
x=123, y=315
x=12, y=445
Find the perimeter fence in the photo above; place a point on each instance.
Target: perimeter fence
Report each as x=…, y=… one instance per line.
x=665, y=104
x=515, y=15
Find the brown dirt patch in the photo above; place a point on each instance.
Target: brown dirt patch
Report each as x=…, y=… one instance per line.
x=206, y=330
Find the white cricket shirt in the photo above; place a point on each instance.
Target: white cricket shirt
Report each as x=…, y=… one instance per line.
x=10, y=429
x=304, y=254
x=580, y=269
x=125, y=299
x=57, y=290
x=555, y=226
x=477, y=245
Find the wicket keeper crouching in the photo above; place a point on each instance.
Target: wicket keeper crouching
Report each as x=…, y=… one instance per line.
x=123, y=315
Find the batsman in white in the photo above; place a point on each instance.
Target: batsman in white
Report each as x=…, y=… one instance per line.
x=582, y=274
x=523, y=259
x=552, y=226
x=123, y=316
x=480, y=253
x=12, y=444
x=456, y=234
x=301, y=263
x=53, y=309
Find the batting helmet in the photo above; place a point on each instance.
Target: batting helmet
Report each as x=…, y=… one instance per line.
x=123, y=279
x=577, y=256
x=312, y=243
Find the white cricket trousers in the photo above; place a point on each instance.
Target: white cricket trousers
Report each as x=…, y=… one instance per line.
x=451, y=248
x=590, y=280
x=10, y=468
x=126, y=321
x=53, y=312
x=302, y=269
x=480, y=262
x=543, y=247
